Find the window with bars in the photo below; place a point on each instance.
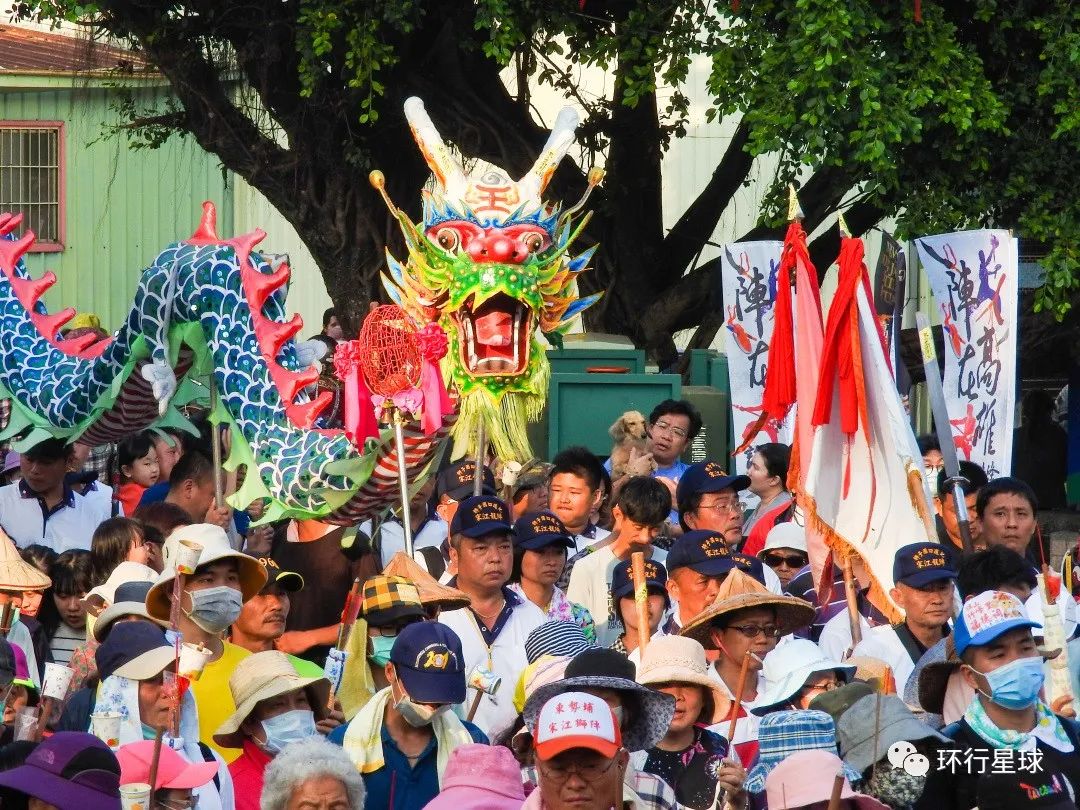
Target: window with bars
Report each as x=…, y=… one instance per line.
x=31, y=178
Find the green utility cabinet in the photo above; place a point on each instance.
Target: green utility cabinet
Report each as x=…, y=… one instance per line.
x=579, y=361
x=581, y=407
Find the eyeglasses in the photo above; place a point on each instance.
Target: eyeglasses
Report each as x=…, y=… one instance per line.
x=828, y=686
x=561, y=772
x=721, y=507
x=755, y=630
x=677, y=432
x=774, y=560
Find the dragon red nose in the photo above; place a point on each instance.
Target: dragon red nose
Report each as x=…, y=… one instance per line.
x=495, y=246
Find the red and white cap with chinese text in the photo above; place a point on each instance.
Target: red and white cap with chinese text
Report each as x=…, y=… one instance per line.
x=576, y=720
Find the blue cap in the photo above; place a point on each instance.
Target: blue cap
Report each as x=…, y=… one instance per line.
x=622, y=578
x=707, y=476
x=703, y=551
x=535, y=530
x=456, y=481
x=751, y=565
x=126, y=642
x=480, y=515
x=919, y=564
x=986, y=616
x=429, y=663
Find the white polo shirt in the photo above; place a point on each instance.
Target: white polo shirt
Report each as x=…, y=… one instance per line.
x=69, y=525
x=392, y=537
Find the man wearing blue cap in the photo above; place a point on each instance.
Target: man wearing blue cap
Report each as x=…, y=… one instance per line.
x=493, y=628
x=697, y=563
x=924, y=578
x=1007, y=728
x=402, y=739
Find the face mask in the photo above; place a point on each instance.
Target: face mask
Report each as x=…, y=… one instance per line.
x=418, y=715
x=380, y=649
x=1015, y=685
x=288, y=727
x=214, y=609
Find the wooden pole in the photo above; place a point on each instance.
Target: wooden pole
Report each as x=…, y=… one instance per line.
x=837, y=791
x=641, y=600
x=159, y=732
x=851, y=592
x=736, y=707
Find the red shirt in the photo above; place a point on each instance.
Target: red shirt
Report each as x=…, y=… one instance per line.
x=247, y=772
x=129, y=495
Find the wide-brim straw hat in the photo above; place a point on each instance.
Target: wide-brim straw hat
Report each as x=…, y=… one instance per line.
x=261, y=676
x=432, y=592
x=675, y=659
x=15, y=573
x=215, y=548
x=740, y=591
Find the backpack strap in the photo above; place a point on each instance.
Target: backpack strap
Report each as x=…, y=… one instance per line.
x=208, y=755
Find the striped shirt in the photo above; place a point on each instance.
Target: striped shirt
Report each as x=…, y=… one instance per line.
x=64, y=642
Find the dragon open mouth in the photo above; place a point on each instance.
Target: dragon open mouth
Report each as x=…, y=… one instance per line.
x=495, y=337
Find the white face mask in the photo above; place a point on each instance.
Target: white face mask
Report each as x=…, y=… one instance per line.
x=415, y=714
x=288, y=727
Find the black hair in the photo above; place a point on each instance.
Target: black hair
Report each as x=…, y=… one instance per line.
x=777, y=457
x=679, y=407
x=581, y=462
x=928, y=442
x=49, y=451
x=110, y=544
x=132, y=448
x=71, y=573
x=644, y=501
x=161, y=518
x=975, y=475
x=991, y=569
x=193, y=466
x=1005, y=485
x=327, y=315
x=39, y=556
x=519, y=554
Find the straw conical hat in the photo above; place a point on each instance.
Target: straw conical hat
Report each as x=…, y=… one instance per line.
x=740, y=591
x=431, y=591
x=17, y=574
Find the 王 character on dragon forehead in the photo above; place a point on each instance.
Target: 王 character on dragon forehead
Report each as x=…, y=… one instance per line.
x=490, y=264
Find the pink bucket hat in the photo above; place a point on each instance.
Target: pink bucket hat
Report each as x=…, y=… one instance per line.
x=807, y=777
x=480, y=777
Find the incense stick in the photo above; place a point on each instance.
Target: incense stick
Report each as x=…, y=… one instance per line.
x=736, y=707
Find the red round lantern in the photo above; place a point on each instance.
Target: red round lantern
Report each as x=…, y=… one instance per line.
x=390, y=354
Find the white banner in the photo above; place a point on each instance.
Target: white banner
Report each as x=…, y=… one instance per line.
x=748, y=273
x=974, y=278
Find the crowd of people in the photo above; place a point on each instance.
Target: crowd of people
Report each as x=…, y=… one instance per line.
x=507, y=663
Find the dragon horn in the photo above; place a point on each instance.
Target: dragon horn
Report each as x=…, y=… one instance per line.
x=436, y=153
x=558, y=143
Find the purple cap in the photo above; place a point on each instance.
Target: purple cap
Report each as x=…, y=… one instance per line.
x=69, y=769
x=11, y=462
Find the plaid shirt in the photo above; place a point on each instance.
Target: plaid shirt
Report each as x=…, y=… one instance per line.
x=100, y=461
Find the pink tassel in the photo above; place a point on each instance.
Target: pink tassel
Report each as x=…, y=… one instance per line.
x=436, y=400
x=357, y=415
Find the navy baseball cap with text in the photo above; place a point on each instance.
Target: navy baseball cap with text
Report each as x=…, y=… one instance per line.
x=703, y=551
x=707, y=476
x=428, y=661
x=536, y=530
x=480, y=515
x=622, y=578
x=919, y=564
x=456, y=481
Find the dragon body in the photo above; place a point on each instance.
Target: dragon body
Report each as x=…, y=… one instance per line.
x=489, y=264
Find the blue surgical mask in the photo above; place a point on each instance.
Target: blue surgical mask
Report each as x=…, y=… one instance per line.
x=214, y=609
x=380, y=649
x=288, y=727
x=1017, y=684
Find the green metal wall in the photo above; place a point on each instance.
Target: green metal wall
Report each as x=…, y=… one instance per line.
x=122, y=205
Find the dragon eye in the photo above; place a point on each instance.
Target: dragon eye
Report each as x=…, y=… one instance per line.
x=533, y=242
x=448, y=239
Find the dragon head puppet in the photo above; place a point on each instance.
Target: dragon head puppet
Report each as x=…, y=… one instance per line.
x=490, y=263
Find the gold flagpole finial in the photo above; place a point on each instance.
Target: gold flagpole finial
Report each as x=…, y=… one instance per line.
x=794, y=210
x=845, y=231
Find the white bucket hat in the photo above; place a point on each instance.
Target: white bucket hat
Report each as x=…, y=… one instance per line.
x=125, y=572
x=786, y=669
x=215, y=547
x=785, y=535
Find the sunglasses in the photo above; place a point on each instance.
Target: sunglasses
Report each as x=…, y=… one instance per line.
x=754, y=630
x=775, y=560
